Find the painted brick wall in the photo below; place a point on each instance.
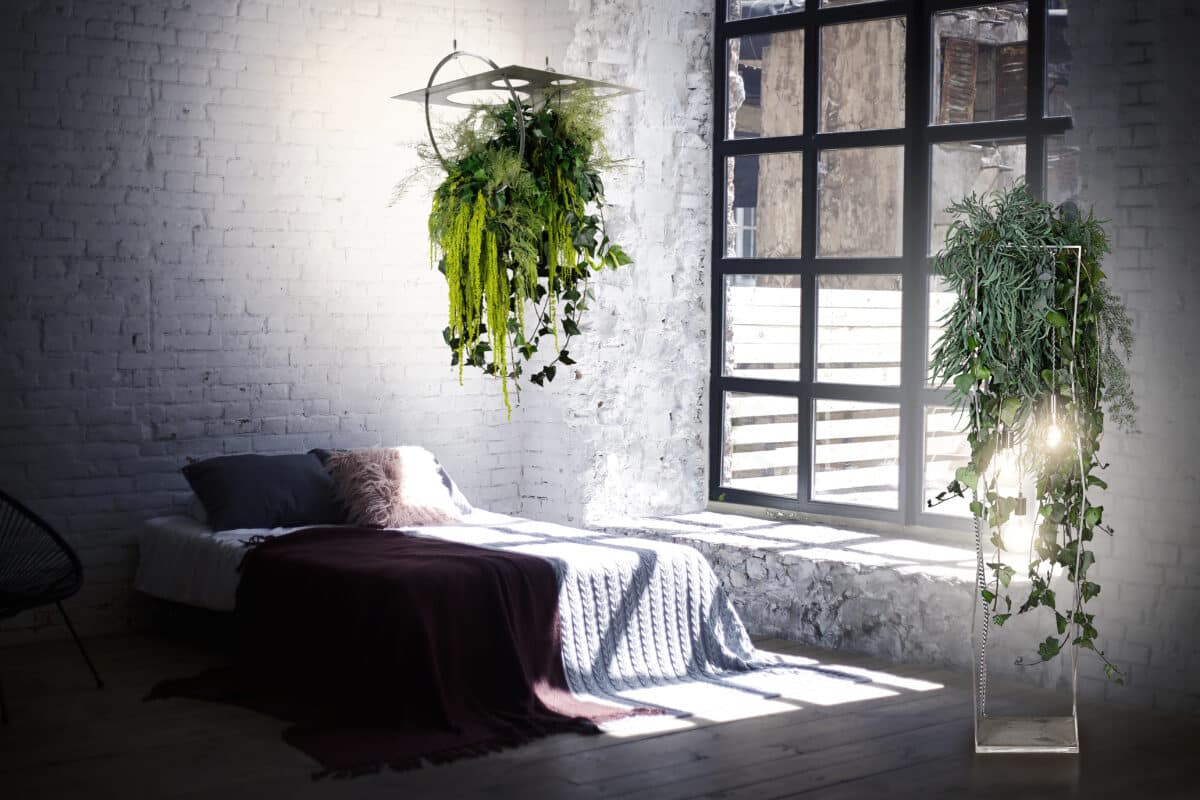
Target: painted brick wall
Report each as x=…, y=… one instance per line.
x=625, y=431
x=1134, y=98
x=198, y=256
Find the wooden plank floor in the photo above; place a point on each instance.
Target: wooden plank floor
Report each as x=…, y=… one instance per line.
x=68, y=740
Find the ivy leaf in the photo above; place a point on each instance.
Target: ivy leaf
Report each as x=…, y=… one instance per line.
x=550, y=371
x=1057, y=319
x=565, y=358
x=539, y=378
x=1000, y=619
x=1061, y=622
x=1049, y=648
x=1092, y=515
x=963, y=382
x=570, y=327
x=1009, y=409
x=967, y=477
x=1089, y=590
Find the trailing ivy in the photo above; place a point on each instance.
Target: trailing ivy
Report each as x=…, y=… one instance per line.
x=1026, y=357
x=520, y=233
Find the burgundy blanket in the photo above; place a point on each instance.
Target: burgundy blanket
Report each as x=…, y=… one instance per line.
x=384, y=648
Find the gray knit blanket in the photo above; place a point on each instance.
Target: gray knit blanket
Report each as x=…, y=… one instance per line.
x=637, y=613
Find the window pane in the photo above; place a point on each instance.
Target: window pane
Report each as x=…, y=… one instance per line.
x=855, y=453
x=1058, y=59
x=765, y=95
x=760, y=442
x=963, y=168
x=828, y=3
x=858, y=329
x=980, y=58
x=763, y=201
x=860, y=202
x=862, y=75
x=946, y=450
x=762, y=326
x=1062, y=170
x=747, y=9
x=940, y=302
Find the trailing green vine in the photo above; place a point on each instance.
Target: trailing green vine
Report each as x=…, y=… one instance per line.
x=1034, y=367
x=520, y=233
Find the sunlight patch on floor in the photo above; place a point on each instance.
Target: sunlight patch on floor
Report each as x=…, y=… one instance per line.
x=760, y=694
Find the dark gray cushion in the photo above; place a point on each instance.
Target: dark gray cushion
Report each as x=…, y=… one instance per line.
x=256, y=491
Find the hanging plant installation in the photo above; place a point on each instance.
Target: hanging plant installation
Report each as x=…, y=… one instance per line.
x=517, y=229
x=1034, y=348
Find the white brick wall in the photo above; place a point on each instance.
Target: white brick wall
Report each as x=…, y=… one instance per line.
x=199, y=259
x=198, y=256
x=1134, y=98
x=625, y=430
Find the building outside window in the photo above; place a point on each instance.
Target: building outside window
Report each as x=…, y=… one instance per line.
x=844, y=129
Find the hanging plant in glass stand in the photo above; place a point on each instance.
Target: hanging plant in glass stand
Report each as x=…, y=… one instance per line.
x=517, y=232
x=1034, y=366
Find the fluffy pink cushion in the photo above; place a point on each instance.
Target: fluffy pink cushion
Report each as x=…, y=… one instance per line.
x=391, y=487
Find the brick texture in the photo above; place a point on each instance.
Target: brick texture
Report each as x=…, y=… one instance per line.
x=199, y=257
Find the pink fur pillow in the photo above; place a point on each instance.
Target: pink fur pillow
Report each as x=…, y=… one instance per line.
x=391, y=487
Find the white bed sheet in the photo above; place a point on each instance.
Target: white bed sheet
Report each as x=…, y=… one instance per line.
x=183, y=560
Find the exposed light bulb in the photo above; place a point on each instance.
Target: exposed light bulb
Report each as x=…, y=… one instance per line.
x=1053, y=436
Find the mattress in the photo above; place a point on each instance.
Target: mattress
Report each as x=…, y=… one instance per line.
x=182, y=560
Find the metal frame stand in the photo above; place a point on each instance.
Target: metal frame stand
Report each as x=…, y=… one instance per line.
x=1027, y=734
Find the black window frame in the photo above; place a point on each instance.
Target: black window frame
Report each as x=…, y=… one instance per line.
x=918, y=136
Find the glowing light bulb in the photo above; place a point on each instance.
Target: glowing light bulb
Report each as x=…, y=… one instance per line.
x=1053, y=436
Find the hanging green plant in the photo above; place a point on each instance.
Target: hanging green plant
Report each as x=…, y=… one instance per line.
x=517, y=233
x=1034, y=367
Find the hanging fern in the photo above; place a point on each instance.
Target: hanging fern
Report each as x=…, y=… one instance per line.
x=1024, y=354
x=521, y=233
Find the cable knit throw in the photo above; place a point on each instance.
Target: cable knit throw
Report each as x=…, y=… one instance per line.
x=634, y=613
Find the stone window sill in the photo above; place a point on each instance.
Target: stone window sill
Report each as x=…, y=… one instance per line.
x=941, y=554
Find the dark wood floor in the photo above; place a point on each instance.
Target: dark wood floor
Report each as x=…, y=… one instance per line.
x=68, y=740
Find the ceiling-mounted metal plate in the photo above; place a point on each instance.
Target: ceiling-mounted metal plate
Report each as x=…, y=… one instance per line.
x=486, y=88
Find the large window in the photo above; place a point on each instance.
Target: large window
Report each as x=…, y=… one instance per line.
x=843, y=128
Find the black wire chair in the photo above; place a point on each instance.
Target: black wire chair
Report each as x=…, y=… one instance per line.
x=37, y=568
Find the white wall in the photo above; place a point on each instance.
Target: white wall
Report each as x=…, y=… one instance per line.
x=1134, y=99
x=198, y=256
x=625, y=431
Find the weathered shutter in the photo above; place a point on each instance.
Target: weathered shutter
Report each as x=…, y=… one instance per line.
x=958, y=80
x=1011, y=80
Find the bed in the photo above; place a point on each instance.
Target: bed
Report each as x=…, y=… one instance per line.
x=642, y=627
x=633, y=612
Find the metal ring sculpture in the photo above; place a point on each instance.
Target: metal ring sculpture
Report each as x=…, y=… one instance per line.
x=513, y=92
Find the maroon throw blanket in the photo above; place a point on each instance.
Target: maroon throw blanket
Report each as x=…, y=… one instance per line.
x=385, y=648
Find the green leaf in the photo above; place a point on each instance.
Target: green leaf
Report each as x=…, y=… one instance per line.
x=1009, y=409
x=1049, y=648
x=1000, y=619
x=570, y=327
x=1061, y=622
x=1057, y=319
x=988, y=595
x=963, y=382
x=565, y=358
x=976, y=508
x=550, y=371
x=967, y=477
x=1089, y=590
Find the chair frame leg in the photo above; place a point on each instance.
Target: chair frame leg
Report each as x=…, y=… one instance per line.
x=79, y=644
